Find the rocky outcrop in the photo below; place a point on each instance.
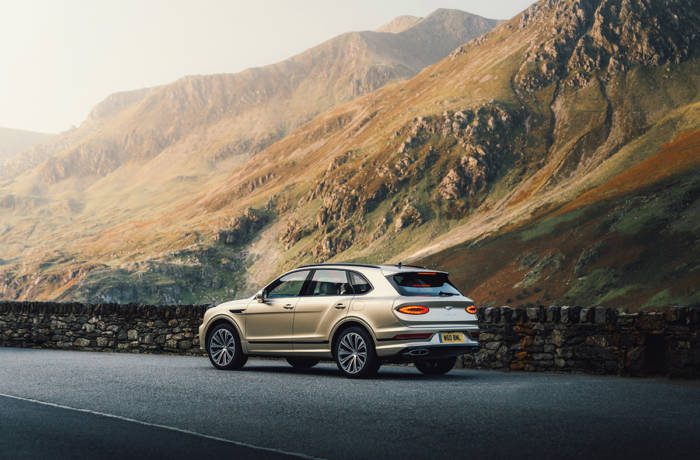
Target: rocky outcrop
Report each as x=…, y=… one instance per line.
x=407, y=216
x=590, y=37
x=486, y=136
x=293, y=231
x=243, y=228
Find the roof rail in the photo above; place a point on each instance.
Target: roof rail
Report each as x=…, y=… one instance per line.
x=343, y=264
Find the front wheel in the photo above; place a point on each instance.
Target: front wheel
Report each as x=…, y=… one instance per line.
x=224, y=348
x=355, y=354
x=302, y=363
x=436, y=366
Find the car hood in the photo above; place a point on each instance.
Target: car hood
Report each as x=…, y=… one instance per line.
x=234, y=303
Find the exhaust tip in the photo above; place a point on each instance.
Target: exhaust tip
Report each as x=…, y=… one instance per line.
x=418, y=352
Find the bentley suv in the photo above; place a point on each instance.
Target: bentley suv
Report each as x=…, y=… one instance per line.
x=358, y=315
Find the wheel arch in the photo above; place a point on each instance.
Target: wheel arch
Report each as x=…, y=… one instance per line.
x=221, y=319
x=348, y=322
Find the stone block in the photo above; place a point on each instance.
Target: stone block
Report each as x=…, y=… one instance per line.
x=600, y=315
x=533, y=314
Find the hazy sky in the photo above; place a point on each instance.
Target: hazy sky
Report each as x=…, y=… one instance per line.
x=60, y=57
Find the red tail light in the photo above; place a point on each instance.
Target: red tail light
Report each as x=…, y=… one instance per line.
x=413, y=309
x=471, y=309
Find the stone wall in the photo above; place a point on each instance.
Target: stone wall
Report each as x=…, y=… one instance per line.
x=595, y=340
x=567, y=339
x=101, y=327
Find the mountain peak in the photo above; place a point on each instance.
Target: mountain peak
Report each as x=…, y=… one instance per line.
x=399, y=24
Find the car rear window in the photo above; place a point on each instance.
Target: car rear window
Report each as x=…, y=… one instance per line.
x=424, y=283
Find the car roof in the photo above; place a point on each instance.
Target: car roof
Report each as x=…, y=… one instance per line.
x=387, y=269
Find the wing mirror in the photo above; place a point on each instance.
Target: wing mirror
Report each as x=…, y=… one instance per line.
x=260, y=297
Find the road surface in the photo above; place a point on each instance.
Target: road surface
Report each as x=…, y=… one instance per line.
x=56, y=404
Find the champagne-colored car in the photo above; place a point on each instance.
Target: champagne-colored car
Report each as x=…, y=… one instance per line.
x=358, y=315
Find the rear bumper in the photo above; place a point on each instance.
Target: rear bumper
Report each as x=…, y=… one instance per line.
x=388, y=349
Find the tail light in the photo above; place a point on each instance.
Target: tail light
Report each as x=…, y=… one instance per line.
x=413, y=309
x=471, y=309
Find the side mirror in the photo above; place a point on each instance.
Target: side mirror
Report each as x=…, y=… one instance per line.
x=260, y=297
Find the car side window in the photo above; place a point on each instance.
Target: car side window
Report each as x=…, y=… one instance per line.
x=329, y=283
x=287, y=286
x=360, y=285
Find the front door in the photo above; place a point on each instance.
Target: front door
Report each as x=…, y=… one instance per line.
x=269, y=324
x=325, y=300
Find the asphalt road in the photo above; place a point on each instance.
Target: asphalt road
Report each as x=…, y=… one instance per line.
x=145, y=406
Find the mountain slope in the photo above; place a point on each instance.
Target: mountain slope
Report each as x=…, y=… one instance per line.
x=538, y=163
x=15, y=141
x=144, y=152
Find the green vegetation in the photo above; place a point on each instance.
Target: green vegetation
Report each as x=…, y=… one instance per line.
x=548, y=225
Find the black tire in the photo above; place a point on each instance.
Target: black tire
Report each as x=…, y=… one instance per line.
x=436, y=366
x=361, y=370
x=218, y=335
x=302, y=363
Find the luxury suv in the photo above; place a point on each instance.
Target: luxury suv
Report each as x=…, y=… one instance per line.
x=358, y=315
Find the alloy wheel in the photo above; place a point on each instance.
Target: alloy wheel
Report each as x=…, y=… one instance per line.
x=222, y=346
x=352, y=353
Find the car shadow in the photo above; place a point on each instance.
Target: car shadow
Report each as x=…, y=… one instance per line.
x=385, y=373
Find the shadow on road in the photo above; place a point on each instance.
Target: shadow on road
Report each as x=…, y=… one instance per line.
x=385, y=373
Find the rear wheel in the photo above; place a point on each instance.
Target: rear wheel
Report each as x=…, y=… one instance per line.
x=436, y=366
x=224, y=348
x=302, y=363
x=355, y=354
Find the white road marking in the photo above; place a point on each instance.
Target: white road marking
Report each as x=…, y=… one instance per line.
x=164, y=427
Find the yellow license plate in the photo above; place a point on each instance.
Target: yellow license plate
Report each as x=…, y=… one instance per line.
x=451, y=337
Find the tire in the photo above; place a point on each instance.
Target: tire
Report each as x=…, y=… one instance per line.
x=302, y=363
x=355, y=354
x=436, y=366
x=224, y=348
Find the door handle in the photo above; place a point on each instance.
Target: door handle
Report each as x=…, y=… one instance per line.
x=340, y=306
x=289, y=306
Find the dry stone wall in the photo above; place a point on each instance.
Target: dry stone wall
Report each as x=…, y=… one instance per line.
x=594, y=340
x=101, y=327
x=566, y=339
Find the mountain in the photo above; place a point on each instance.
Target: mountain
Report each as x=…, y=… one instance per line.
x=399, y=24
x=553, y=159
x=15, y=141
x=143, y=152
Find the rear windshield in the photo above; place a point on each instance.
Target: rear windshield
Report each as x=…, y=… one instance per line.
x=423, y=283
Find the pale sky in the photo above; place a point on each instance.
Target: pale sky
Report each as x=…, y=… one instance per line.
x=58, y=58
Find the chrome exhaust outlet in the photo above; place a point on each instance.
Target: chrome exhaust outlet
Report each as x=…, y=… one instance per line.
x=418, y=352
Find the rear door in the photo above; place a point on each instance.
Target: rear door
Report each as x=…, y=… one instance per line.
x=325, y=300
